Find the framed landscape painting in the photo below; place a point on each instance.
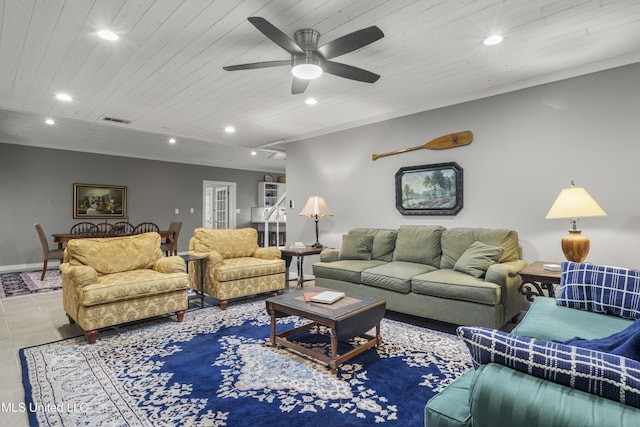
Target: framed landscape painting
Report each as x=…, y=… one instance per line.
x=99, y=201
x=429, y=189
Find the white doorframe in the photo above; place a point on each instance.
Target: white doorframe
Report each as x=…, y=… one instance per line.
x=209, y=202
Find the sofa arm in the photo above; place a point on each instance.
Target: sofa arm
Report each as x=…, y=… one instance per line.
x=499, y=273
x=77, y=275
x=504, y=396
x=329, y=255
x=171, y=264
x=214, y=258
x=270, y=252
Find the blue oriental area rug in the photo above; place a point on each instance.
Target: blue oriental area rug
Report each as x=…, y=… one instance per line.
x=216, y=369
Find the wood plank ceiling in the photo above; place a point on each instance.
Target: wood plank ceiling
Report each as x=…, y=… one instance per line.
x=165, y=75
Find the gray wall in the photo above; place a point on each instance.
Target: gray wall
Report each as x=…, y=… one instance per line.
x=37, y=186
x=528, y=145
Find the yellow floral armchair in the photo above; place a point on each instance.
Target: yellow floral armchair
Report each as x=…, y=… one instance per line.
x=108, y=281
x=235, y=265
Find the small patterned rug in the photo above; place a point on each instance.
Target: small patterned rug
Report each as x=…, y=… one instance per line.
x=215, y=369
x=28, y=282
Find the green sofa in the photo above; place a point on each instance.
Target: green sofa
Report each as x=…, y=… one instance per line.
x=465, y=276
x=496, y=395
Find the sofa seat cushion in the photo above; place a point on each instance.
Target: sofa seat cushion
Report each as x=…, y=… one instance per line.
x=245, y=267
x=345, y=270
x=452, y=284
x=395, y=276
x=548, y=321
x=131, y=284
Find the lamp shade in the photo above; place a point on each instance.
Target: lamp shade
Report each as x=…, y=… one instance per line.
x=574, y=202
x=315, y=207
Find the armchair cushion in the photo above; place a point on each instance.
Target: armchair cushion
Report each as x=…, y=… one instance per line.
x=230, y=243
x=610, y=376
x=115, y=254
x=601, y=289
x=245, y=267
x=129, y=285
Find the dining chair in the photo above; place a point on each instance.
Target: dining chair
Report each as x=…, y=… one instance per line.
x=175, y=227
x=83, y=228
x=145, y=227
x=103, y=229
x=46, y=252
x=123, y=227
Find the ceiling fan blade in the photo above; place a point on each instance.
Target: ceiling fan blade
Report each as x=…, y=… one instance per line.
x=256, y=65
x=349, y=72
x=350, y=42
x=299, y=85
x=275, y=35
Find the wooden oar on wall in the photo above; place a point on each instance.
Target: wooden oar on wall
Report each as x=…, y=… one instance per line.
x=448, y=141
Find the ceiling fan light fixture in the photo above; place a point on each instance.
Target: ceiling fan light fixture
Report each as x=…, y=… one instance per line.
x=306, y=71
x=306, y=67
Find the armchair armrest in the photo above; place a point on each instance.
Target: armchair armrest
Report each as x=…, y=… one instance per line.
x=77, y=275
x=329, y=255
x=270, y=252
x=499, y=273
x=214, y=258
x=172, y=264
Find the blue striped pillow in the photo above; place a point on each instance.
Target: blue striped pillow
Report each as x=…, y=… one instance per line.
x=601, y=289
x=602, y=374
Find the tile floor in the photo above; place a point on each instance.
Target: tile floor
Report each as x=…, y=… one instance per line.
x=39, y=318
x=26, y=321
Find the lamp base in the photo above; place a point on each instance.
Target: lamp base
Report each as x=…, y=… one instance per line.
x=317, y=245
x=575, y=246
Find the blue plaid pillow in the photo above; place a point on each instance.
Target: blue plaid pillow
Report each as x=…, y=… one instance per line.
x=601, y=289
x=602, y=374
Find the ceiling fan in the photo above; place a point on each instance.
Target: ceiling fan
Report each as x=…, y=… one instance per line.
x=308, y=61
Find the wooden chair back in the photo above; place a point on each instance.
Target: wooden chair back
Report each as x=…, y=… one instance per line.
x=83, y=228
x=145, y=227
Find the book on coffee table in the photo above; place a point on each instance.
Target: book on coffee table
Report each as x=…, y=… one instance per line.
x=327, y=297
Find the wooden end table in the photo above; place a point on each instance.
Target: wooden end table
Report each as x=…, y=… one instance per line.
x=349, y=317
x=300, y=253
x=535, y=280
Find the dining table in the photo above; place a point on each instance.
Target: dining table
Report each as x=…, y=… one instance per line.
x=62, y=238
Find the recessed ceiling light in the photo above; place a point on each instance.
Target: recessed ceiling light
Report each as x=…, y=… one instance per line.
x=311, y=101
x=108, y=35
x=493, y=40
x=64, y=97
x=50, y=122
x=253, y=153
x=229, y=129
x=172, y=141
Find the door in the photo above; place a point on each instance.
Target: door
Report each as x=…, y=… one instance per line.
x=218, y=204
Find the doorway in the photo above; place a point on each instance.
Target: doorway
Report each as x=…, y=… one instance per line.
x=218, y=204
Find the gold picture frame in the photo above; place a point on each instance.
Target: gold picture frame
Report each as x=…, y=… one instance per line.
x=99, y=201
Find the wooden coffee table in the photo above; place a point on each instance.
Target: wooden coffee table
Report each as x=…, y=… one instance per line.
x=349, y=317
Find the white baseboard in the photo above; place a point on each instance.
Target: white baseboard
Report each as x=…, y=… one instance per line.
x=27, y=267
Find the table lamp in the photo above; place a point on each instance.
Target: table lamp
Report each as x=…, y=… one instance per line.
x=316, y=208
x=573, y=203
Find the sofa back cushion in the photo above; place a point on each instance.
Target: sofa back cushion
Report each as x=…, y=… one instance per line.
x=419, y=243
x=356, y=247
x=230, y=243
x=384, y=242
x=457, y=240
x=601, y=289
x=115, y=254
